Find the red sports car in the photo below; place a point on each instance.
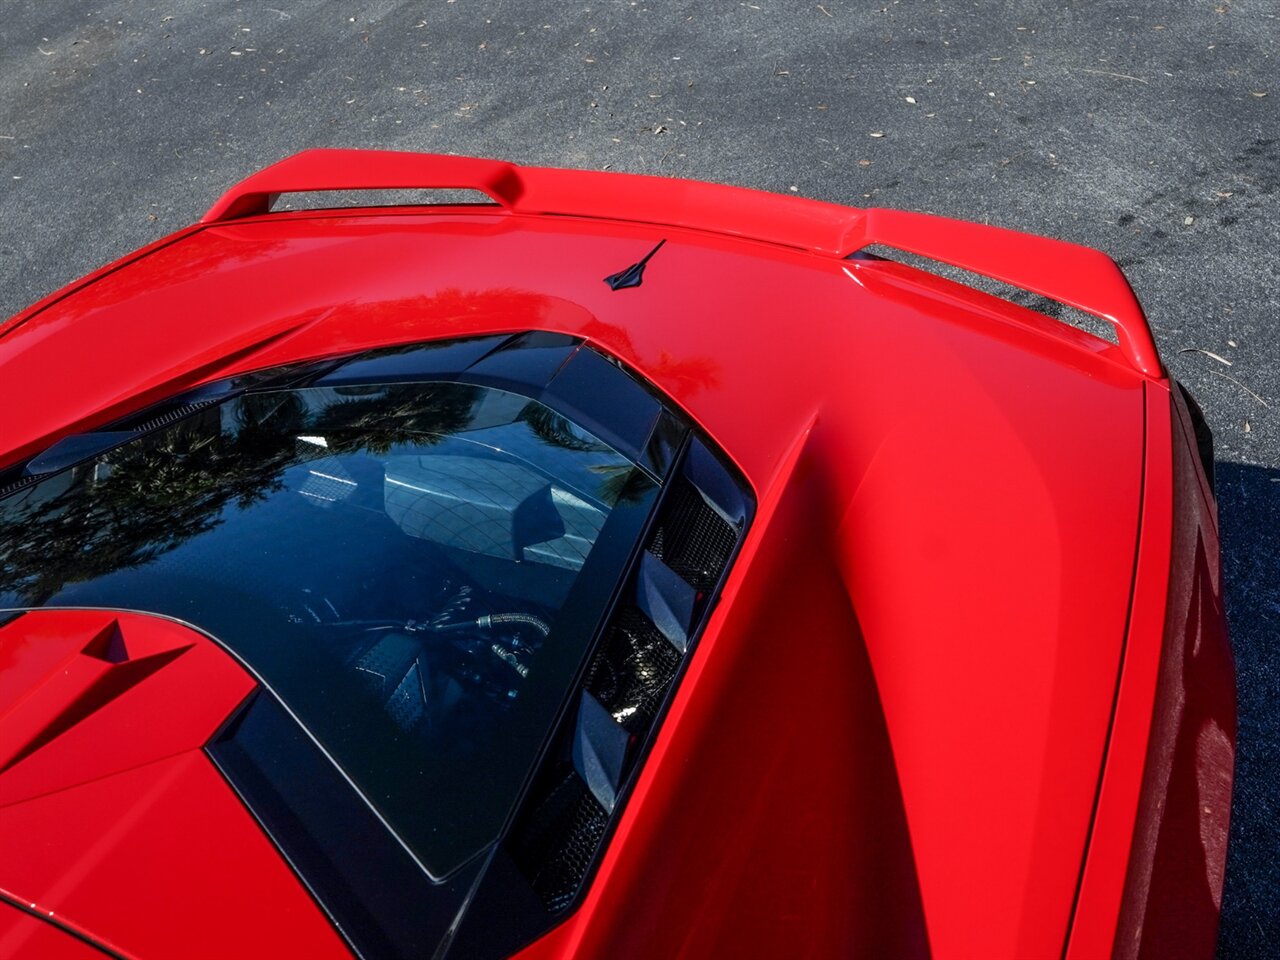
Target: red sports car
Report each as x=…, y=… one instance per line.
x=623, y=567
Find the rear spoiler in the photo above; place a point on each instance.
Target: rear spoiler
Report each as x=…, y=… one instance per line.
x=1077, y=276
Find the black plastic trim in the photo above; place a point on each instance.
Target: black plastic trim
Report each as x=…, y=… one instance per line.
x=1203, y=437
x=375, y=895
x=58, y=924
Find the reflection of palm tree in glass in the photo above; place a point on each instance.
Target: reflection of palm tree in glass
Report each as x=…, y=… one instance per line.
x=549, y=427
x=620, y=483
x=392, y=416
x=145, y=498
x=616, y=484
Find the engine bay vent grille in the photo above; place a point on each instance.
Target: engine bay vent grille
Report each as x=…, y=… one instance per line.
x=561, y=837
x=630, y=675
x=632, y=671
x=692, y=537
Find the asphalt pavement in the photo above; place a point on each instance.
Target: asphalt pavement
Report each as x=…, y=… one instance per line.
x=1148, y=130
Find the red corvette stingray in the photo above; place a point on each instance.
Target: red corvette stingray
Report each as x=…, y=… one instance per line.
x=623, y=567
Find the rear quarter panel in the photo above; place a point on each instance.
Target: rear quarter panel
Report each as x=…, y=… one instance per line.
x=1173, y=894
x=1152, y=885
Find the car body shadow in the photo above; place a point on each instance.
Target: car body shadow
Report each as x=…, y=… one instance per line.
x=1249, y=517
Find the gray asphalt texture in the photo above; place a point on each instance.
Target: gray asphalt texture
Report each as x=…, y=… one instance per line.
x=1150, y=131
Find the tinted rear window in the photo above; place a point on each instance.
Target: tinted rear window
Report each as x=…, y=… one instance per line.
x=406, y=565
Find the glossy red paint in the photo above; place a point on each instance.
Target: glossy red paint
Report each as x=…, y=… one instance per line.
x=159, y=860
x=890, y=737
x=47, y=301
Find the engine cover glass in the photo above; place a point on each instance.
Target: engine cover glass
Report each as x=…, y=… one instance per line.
x=415, y=569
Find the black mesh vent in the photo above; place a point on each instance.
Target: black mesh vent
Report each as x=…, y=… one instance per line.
x=692, y=538
x=632, y=670
x=559, y=840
